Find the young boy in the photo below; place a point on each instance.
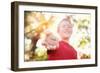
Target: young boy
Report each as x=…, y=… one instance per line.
x=63, y=50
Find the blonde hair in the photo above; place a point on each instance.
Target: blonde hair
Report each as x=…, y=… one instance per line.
x=66, y=18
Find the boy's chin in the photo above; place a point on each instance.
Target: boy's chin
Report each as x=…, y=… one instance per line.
x=67, y=36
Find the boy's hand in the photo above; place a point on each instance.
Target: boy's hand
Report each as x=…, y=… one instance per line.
x=51, y=41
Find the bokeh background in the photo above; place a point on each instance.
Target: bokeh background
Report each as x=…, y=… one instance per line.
x=38, y=22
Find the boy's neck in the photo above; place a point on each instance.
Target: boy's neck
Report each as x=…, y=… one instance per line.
x=65, y=40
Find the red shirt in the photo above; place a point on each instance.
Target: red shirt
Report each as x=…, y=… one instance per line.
x=63, y=52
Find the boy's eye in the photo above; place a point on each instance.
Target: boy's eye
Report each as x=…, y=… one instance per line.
x=64, y=26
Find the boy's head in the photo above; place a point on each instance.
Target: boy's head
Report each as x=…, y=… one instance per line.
x=65, y=28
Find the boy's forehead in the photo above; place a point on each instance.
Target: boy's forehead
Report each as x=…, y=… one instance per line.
x=65, y=22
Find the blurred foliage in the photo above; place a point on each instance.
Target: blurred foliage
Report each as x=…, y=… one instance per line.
x=82, y=23
x=35, y=24
x=41, y=54
x=83, y=30
x=85, y=56
x=83, y=42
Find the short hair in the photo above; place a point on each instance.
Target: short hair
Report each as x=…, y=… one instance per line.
x=66, y=18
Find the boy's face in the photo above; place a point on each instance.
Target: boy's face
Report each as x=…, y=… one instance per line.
x=65, y=29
